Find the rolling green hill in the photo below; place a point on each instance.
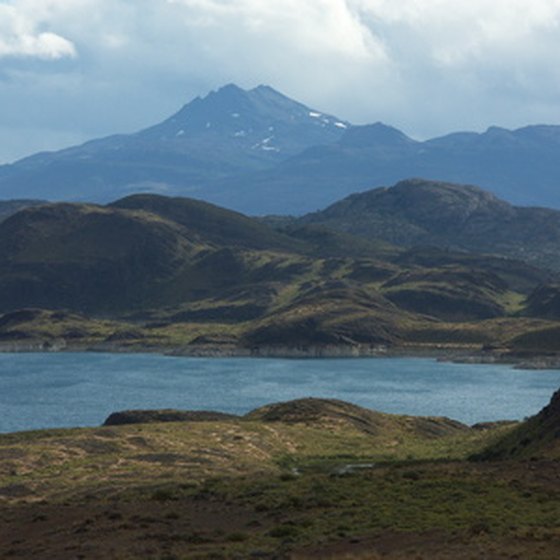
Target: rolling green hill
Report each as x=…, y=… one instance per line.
x=87, y=258
x=9, y=207
x=210, y=223
x=181, y=273
x=449, y=216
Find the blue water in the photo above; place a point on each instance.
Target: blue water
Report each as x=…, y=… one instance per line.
x=82, y=389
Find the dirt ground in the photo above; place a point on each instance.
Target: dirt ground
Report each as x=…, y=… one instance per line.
x=161, y=525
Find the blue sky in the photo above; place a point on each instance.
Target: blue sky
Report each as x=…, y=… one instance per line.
x=71, y=70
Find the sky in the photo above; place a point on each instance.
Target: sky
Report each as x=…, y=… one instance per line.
x=72, y=70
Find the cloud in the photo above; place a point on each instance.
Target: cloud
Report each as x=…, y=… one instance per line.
x=20, y=36
x=427, y=66
x=472, y=63
x=456, y=35
x=321, y=27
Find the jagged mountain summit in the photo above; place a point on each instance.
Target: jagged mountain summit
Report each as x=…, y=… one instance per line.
x=260, y=152
x=226, y=134
x=262, y=123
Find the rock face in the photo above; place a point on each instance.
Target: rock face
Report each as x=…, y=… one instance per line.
x=537, y=437
x=151, y=416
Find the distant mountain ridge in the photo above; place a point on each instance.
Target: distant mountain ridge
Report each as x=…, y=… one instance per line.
x=230, y=132
x=520, y=166
x=260, y=152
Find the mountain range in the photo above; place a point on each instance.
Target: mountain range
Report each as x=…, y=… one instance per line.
x=227, y=134
x=261, y=152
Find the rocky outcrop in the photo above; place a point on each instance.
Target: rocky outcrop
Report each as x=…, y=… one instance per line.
x=152, y=416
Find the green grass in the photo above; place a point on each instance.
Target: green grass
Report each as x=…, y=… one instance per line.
x=221, y=489
x=406, y=498
x=49, y=461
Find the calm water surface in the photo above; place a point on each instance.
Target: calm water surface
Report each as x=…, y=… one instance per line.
x=82, y=389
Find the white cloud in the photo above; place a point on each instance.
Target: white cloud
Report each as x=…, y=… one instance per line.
x=320, y=26
x=20, y=36
x=456, y=32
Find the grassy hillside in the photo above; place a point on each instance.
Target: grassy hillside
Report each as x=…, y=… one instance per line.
x=186, y=275
x=445, y=215
x=537, y=437
x=544, y=301
x=211, y=223
x=86, y=257
x=304, y=479
x=9, y=207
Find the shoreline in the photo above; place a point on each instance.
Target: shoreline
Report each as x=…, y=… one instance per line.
x=463, y=354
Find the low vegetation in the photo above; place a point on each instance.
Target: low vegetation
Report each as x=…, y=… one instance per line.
x=305, y=479
x=461, y=217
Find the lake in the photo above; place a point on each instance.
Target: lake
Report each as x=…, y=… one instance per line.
x=82, y=389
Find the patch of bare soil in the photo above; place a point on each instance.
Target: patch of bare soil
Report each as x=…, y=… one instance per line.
x=433, y=545
x=162, y=527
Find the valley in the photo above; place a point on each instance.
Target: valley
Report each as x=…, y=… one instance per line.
x=248, y=224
